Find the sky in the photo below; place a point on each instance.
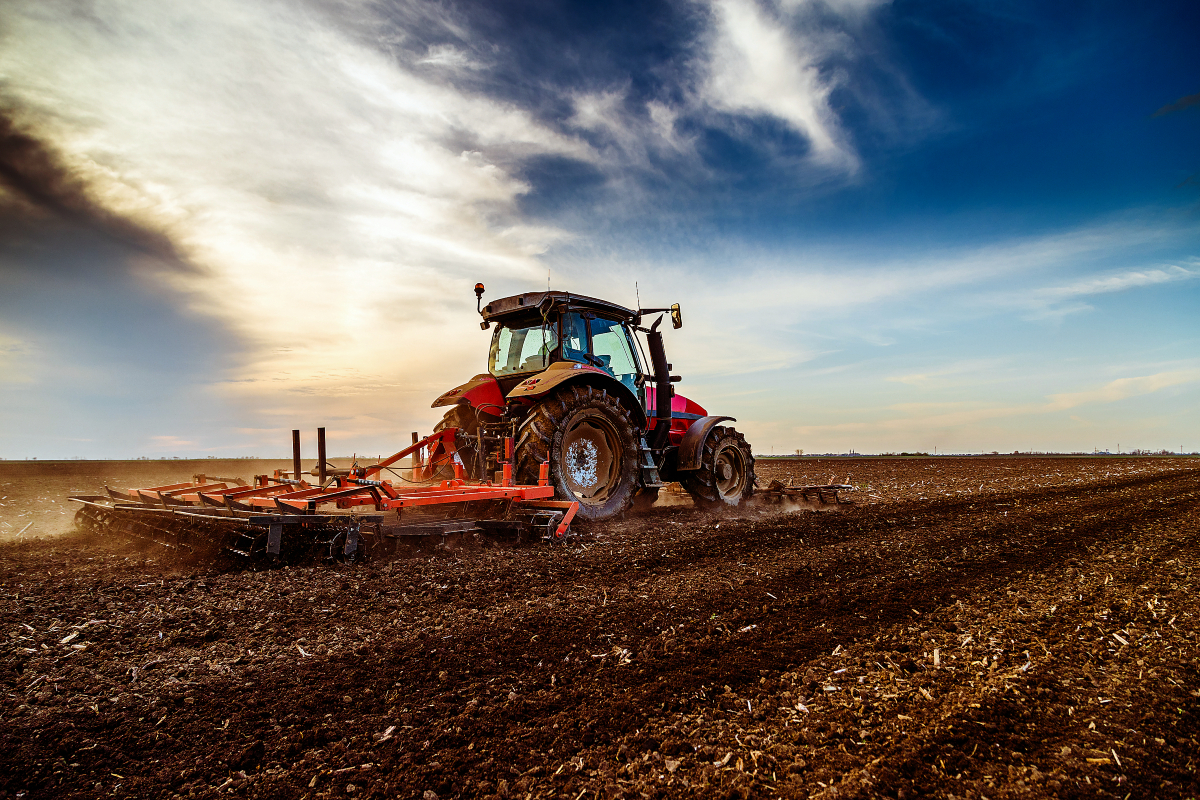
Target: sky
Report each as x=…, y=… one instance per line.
x=892, y=226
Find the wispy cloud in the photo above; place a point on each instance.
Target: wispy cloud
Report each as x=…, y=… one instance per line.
x=759, y=62
x=630, y=136
x=1118, y=282
x=15, y=358
x=1124, y=388
x=449, y=56
x=171, y=443
x=834, y=281
x=753, y=65
x=1055, y=302
x=975, y=371
x=756, y=310
x=963, y=415
x=1178, y=105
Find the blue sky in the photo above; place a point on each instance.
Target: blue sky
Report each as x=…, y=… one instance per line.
x=892, y=226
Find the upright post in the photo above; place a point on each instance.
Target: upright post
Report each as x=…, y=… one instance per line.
x=321, y=455
x=296, y=455
x=507, y=470
x=418, y=463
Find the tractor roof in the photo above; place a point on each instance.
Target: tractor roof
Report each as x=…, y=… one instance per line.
x=532, y=302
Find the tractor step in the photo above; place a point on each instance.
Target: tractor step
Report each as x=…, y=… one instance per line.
x=650, y=476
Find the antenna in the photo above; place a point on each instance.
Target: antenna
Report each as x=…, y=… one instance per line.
x=637, y=294
x=547, y=278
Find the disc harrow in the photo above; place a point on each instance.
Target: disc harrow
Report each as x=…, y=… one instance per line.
x=286, y=516
x=814, y=498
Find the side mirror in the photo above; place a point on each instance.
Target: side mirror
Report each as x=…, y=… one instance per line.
x=676, y=317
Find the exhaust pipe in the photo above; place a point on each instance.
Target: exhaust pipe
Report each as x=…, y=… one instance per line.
x=663, y=390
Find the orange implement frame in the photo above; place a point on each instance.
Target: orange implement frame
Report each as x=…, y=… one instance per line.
x=361, y=486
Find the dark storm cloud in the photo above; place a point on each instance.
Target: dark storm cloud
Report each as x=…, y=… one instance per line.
x=1178, y=105
x=35, y=173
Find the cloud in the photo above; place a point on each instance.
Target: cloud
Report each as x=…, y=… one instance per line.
x=834, y=281
x=328, y=184
x=1118, y=282
x=758, y=309
x=32, y=170
x=170, y=443
x=333, y=203
x=1124, y=388
x=967, y=415
x=16, y=358
x=1178, y=105
x=977, y=370
x=1059, y=301
x=449, y=57
x=757, y=63
x=749, y=69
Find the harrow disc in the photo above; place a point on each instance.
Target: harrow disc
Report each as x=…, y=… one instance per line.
x=204, y=533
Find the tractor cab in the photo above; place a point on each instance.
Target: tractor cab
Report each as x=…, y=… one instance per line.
x=534, y=331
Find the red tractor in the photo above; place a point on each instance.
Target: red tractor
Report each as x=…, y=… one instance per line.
x=569, y=382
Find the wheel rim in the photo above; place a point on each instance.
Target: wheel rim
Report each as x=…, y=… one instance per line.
x=729, y=472
x=588, y=461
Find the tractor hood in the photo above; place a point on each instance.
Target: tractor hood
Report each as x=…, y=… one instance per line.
x=482, y=391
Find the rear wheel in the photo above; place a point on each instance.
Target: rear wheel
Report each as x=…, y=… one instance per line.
x=591, y=444
x=726, y=473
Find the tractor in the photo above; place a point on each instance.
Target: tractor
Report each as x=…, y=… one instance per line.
x=572, y=420
x=569, y=384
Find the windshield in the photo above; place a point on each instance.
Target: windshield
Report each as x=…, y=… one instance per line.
x=516, y=350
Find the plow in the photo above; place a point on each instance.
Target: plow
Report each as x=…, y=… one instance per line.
x=577, y=418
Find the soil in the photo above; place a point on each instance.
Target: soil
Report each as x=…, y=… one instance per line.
x=975, y=627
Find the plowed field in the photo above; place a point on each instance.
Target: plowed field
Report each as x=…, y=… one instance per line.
x=973, y=628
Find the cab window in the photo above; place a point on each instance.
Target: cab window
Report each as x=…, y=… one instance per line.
x=574, y=338
x=611, y=345
x=517, y=350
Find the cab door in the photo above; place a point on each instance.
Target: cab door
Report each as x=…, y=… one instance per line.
x=613, y=351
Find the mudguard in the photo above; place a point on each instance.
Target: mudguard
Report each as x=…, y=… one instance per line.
x=564, y=372
x=692, y=446
x=482, y=391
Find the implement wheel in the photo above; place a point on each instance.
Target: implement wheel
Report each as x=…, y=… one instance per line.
x=591, y=444
x=726, y=473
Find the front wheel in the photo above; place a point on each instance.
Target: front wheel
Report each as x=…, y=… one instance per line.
x=591, y=444
x=726, y=473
